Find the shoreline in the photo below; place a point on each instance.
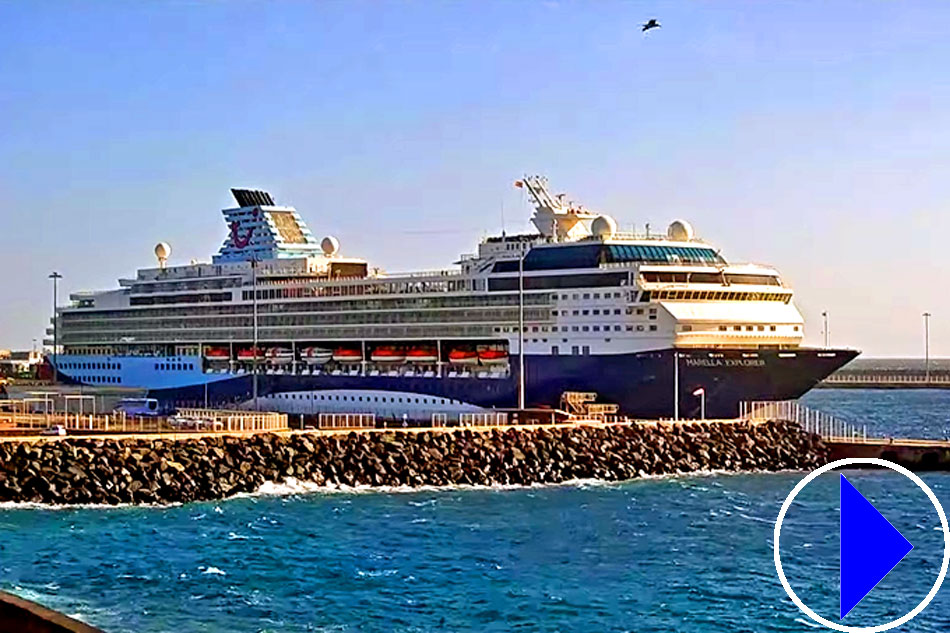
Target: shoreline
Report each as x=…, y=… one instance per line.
x=114, y=472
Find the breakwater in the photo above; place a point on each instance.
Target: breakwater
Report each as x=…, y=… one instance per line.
x=138, y=470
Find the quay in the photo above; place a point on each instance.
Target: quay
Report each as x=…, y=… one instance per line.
x=845, y=440
x=885, y=380
x=891, y=373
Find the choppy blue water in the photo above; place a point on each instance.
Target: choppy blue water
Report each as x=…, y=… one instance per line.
x=679, y=554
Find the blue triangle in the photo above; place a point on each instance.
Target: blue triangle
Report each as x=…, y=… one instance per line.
x=870, y=547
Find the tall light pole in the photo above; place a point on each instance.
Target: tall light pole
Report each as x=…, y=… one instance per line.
x=824, y=316
x=926, y=316
x=676, y=385
x=521, y=380
x=254, y=350
x=55, y=276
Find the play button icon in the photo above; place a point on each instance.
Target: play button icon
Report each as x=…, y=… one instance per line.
x=870, y=547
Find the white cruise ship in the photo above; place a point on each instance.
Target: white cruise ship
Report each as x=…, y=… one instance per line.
x=643, y=320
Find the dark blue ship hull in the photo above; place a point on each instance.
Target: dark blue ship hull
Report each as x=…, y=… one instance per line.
x=641, y=383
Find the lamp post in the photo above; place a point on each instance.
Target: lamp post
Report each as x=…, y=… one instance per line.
x=824, y=316
x=254, y=350
x=701, y=394
x=676, y=385
x=521, y=380
x=926, y=316
x=55, y=276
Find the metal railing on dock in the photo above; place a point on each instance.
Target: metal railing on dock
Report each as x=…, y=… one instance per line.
x=811, y=420
x=185, y=421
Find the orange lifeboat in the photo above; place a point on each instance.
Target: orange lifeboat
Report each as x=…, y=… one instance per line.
x=347, y=355
x=250, y=354
x=461, y=356
x=217, y=354
x=492, y=356
x=422, y=355
x=387, y=354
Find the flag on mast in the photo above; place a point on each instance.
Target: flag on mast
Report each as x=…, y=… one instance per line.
x=699, y=392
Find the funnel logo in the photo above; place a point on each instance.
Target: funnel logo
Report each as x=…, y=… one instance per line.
x=241, y=241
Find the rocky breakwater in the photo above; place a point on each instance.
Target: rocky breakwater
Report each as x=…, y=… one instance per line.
x=134, y=470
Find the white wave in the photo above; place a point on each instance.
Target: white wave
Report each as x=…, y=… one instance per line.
x=213, y=571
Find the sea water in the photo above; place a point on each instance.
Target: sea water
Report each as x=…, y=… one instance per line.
x=666, y=554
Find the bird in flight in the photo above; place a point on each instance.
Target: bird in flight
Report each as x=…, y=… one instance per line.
x=652, y=24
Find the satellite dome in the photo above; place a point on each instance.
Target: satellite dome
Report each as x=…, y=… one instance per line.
x=680, y=231
x=603, y=226
x=330, y=245
x=162, y=251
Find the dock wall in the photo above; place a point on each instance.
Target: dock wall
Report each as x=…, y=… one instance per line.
x=138, y=470
x=915, y=455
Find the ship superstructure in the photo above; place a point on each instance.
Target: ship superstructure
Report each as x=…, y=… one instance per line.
x=602, y=310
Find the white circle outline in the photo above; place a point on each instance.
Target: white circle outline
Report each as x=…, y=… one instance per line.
x=778, y=560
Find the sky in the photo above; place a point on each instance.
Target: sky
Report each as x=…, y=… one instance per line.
x=811, y=136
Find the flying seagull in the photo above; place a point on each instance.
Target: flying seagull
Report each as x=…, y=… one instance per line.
x=652, y=24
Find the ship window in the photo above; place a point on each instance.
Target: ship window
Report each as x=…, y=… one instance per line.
x=564, y=297
x=585, y=329
x=596, y=295
x=596, y=312
x=574, y=350
x=574, y=328
x=576, y=312
x=772, y=327
x=687, y=328
x=722, y=328
x=737, y=328
x=597, y=328
x=653, y=328
x=585, y=312
x=616, y=310
x=795, y=328
x=748, y=328
x=616, y=328
x=587, y=295
x=645, y=297
x=761, y=328
x=586, y=350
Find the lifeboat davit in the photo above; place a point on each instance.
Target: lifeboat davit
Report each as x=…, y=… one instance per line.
x=463, y=357
x=279, y=355
x=249, y=354
x=347, y=355
x=492, y=356
x=388, y=355
x=316, y=355
x=217, y=354
x=422, y=355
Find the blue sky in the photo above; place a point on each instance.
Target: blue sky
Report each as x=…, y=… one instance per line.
x=812, y=136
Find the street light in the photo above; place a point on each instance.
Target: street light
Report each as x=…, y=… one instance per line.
x=521, y=380
x=676, y=385
x=926, y=316
x=254, y=350
x=701, y=394
x=55, y=276
x=824, y=316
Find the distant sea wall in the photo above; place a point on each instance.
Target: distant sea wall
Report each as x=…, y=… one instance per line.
x=136, y=470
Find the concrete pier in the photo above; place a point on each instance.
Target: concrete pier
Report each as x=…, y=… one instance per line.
x=910, y=453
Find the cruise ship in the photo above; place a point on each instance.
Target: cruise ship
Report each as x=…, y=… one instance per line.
x=657, y=323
